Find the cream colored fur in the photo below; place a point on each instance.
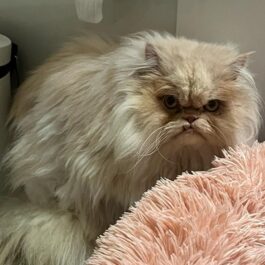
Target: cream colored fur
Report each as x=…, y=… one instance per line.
x=92, y=135
x=34, y=233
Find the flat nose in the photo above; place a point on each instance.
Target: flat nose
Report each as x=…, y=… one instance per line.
x=190, y=118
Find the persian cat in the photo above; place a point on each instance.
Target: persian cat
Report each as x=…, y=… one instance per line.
x=99, y=123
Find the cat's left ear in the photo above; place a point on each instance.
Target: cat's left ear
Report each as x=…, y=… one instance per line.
x=151, y=53
x=152, y=61
x=240, y=63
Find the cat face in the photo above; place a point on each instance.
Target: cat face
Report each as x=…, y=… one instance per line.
x=190, y=107
x=194, y=94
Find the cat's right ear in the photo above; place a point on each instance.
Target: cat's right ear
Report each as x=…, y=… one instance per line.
x=152, y=61
x=240, y=62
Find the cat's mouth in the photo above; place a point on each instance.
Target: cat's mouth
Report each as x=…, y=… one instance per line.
x=191, y=132
x=189, y=129
x=187, y=132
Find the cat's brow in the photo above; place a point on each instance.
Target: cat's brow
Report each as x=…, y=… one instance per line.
x=169, y=89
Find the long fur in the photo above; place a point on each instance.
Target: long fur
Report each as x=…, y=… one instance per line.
x=30, y=234
x=92, y=133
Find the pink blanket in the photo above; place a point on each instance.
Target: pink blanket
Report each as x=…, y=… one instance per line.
x=213, y=217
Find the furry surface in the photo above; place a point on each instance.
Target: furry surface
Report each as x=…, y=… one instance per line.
x=214, y=218
x=29, y=234
x=93, y=130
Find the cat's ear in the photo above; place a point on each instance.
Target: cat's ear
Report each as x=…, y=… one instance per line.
x=152, y=61
x=240, y=62
x=151, y=53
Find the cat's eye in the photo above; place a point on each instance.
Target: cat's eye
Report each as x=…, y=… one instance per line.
x=170, y=102
x=212, y=105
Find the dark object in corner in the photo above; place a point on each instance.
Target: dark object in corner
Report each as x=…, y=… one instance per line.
x=12, y=67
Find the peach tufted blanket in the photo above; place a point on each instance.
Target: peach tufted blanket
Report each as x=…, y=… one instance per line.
x=214, y=217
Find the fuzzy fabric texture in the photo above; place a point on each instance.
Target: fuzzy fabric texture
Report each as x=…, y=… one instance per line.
x=214, y=217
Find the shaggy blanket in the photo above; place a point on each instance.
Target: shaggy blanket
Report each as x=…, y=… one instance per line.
x=214, y=217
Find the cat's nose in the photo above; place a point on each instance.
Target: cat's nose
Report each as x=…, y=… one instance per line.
x=190, y=119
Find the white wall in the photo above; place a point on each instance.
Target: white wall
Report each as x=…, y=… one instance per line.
x=40, y=26
x=238, y=21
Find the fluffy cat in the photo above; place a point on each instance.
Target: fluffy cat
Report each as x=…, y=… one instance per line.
x=99, y=123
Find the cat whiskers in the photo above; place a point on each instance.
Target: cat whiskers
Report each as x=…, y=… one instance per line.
x=151, y=147
x=219, y=134
x=154, y=146
x=161, y=141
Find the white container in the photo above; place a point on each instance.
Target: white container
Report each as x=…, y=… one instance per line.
x=5, y=57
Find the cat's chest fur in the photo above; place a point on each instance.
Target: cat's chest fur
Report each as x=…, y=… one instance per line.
x=166, y=164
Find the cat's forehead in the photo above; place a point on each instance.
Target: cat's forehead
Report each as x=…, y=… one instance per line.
x=187, y=58
x=193, y=82
x=196, y=71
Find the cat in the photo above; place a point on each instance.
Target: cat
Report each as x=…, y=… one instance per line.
x=100, y=122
